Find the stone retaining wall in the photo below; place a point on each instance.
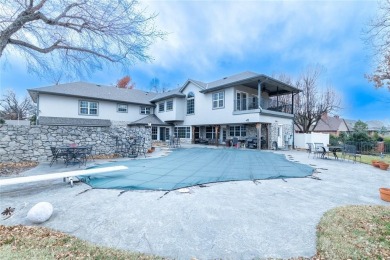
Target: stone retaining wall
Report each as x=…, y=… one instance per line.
x=32, y=143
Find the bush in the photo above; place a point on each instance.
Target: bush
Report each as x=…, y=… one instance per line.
x=333, y=140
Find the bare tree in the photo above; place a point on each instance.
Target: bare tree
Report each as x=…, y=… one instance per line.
x=80, y=36
x=313, y=101
x=14, y=109
x=377, y=36
x=156, y=86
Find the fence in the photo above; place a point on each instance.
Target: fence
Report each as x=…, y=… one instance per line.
x=301, y=140
x=371, y=148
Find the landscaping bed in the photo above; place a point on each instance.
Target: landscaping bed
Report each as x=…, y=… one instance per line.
x=14, y=168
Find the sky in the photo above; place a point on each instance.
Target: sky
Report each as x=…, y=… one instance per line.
x=209, y=40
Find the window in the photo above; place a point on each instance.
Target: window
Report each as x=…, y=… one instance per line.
x=238, y=130
x=161, y=107
x=154, y=132
x=218, y=100
x=122, y=108
x=190, y=103
x=88, y=108
x=210, y=132
x=169, y=105
x=145, y=110
x=241, y=101
x=183, y=132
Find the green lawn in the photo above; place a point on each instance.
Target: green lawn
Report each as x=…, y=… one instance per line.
x=366, y=158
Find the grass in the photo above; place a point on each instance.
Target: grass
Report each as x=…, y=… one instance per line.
x=350, y=232
x=25, y=242
x=366, y=158
x=354, y=232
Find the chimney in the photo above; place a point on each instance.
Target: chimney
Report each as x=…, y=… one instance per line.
x=337, y=116
x=325, y=115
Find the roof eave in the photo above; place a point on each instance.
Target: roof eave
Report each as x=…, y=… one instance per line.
x=91, y=98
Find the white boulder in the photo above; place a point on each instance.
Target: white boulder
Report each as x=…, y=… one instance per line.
x=40, y=213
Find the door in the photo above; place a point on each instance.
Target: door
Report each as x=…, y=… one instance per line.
x=164, y=133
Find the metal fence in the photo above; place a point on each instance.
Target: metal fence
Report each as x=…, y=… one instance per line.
x=371, y=148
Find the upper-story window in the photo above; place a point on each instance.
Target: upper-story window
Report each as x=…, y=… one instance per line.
x=161, y=107
x=169, y=105
x=145, y=110
x=88, y=108
x=218, y=100
x=190, y=103
x=122, y=108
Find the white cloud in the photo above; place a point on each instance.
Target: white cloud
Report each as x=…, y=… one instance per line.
x=201, y=33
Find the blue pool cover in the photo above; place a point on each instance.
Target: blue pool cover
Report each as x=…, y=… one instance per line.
x=189, y=167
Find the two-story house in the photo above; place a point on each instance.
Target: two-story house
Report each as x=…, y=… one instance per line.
x=239, y=106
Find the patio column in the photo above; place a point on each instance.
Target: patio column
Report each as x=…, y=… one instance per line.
x=258, y=127
x=259, y=93
x=292, y=103
x=216, y=134
x=193, y=135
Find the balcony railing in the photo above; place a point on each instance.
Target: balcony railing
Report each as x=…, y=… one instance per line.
x=245, y=104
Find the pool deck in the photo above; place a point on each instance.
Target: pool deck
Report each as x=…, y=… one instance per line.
x=232, y=220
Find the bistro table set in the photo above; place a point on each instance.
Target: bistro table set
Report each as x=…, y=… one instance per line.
x=319, y=150
x=72, y=154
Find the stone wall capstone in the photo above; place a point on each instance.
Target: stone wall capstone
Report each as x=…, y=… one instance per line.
x=32, y=143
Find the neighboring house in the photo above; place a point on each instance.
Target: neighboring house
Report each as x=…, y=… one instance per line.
x=335, y=125
x=243, y=105
x=331, y=125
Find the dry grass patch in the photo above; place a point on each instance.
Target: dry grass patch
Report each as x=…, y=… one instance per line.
x=25, y=242
x=13, y=168
x=354, y=232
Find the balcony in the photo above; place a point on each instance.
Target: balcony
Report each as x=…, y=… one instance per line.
x=248, y=104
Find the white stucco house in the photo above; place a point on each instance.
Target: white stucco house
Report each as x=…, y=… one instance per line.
x=245, y=105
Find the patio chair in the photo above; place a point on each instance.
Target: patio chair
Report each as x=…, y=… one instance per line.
x=177, y=142
x=89, y=153
x=235, y=143
x=57, y=153
x=319, y=150
x=310, y=149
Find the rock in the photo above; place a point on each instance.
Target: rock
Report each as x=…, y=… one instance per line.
x=40, y=213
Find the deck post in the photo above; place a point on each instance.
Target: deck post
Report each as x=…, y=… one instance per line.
x=259, y=94
x=216, y=135
x=258, y=127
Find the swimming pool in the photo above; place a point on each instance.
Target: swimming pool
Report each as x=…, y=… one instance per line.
x=195, y=166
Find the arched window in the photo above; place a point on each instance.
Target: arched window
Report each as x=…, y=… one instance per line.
x=190, y=103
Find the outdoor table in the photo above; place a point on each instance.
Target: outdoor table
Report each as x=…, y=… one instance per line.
x=73, y=153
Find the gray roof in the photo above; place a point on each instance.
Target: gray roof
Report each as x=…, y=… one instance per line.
x=232, y=79
x=171, y=93
x=199, y=83
x=374, y=125
x=329, y=124
x=153, y=119
x=250, y=79
x=94, y=91
x=350, y=123
x=44, y=120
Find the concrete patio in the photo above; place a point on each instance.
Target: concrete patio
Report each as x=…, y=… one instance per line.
x=233, y=220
